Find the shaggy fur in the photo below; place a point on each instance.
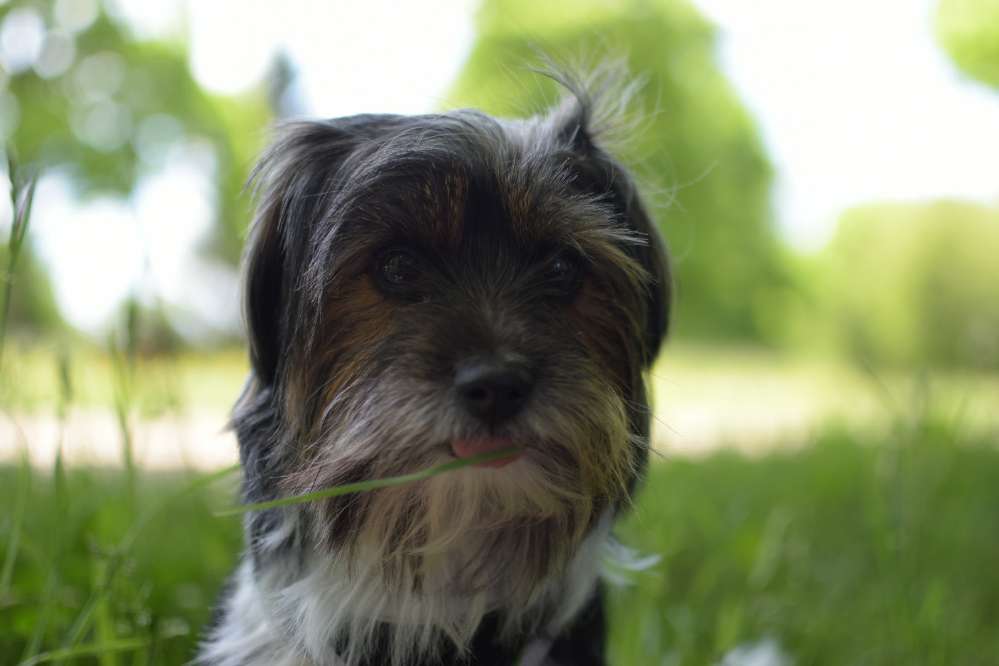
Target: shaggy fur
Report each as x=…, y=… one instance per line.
x=390, y=254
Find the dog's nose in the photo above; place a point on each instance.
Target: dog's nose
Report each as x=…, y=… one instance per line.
x=493, y=392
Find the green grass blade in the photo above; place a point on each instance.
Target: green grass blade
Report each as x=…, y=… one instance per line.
x=373, y=484
x=64, y=369
x=61, y=487
x=103, y=622
x=21, y=203
x=97, y=649
x=14, y=538
x=47, y=602
x=123, y=366
x=24, y=214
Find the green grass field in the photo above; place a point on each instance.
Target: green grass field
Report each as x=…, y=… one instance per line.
x=852, y=550
x=848, y=551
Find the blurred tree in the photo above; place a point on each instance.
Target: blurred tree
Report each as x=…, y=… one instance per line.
x=83, y=95
x=23, y=281
x=148, y=331
x=917, y=284
x=969, y=32
x=694, y=144
x=32, y=305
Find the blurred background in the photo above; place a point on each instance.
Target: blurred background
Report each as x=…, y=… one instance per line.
x=826, y=174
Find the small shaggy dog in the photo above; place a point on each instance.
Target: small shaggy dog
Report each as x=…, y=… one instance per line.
x=420, y=289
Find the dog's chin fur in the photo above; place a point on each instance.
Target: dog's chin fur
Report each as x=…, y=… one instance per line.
x=354, y=381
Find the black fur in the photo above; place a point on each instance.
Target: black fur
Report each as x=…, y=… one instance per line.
x=483, y=204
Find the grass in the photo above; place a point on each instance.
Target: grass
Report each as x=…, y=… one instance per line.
x=849, y=551
x=854, y=550
x=94, y=570
x=22, y=197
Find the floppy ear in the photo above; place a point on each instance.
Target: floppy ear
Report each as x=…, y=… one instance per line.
x=293, y=182
x=654, y=259
x=605, y=176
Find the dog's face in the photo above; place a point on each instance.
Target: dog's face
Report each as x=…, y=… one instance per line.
x=425, y=288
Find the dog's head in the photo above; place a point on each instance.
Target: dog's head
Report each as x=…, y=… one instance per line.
x=430, y=287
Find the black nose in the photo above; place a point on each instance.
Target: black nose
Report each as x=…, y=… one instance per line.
x=493, y=392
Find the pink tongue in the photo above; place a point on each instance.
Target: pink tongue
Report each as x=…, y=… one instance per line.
x=466, y=448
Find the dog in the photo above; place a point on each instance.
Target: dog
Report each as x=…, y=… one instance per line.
x=420, y=289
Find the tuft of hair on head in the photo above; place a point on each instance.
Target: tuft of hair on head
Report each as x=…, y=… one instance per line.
x=600, y=98
x=597, y=106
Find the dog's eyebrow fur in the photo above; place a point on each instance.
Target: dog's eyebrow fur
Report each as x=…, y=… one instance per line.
x=418, y=181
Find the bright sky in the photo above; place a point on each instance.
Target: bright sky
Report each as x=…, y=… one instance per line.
x=857, y=103
x=854, y=98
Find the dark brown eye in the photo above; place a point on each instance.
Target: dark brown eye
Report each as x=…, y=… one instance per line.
x=398, y=272
x=561, y=267
x=399, y=267
x=563, y=273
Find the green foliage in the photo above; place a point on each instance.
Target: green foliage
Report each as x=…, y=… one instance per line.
x=112, y=116
x=149, y=330
x=917, y=284
x=694, y=146
x=857, y=550
x=32, y=304
x=969, y=32
x=26, y=300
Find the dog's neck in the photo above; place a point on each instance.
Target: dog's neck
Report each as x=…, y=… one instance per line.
x=307, y=607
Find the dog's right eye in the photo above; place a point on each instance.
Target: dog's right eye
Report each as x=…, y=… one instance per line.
x=397, y=271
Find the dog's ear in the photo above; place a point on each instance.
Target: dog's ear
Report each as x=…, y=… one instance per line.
x=653, y=256
x=293, y=183
x=578, y=125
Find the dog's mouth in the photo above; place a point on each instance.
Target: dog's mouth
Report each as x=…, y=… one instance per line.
x=476, y=446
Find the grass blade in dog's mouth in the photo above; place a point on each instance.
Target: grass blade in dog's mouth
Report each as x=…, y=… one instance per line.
x=482, y=459
x=464, y=449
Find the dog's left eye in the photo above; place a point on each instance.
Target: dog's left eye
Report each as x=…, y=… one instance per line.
x=563, y=272
x=397, y=270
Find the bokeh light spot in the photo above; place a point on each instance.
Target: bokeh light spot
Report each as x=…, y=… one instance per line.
x=21, y=39
x=99, y=76
x=75, y=15
x=105, y=126
x=57, y=55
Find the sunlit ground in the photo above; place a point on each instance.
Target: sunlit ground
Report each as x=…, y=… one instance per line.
x=706, y=398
